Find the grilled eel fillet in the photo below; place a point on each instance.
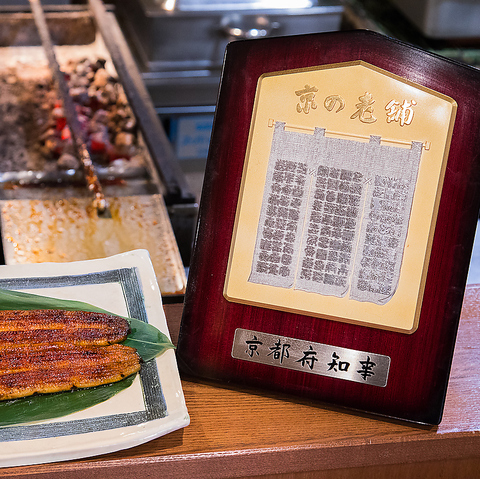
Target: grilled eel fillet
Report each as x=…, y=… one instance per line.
x=44, y=351
x=26, y=370
x=52, y=326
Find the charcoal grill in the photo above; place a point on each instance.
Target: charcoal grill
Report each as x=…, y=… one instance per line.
x=83, y=31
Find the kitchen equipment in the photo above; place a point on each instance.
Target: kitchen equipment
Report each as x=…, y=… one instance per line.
x=443, y=19
x=180, y=44
x=136, y=191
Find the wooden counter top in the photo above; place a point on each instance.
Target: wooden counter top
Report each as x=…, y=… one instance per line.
x=238, y=432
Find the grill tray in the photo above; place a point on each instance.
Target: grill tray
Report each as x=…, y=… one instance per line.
x=155, y=178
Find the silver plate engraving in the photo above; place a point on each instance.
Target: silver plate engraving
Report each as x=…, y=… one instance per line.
x=309, y=357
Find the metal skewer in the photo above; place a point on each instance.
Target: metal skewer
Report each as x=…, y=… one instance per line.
x=73, y=123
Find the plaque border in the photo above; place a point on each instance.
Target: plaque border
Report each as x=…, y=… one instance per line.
x=420, y=362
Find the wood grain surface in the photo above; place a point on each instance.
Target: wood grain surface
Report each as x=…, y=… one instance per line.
x=419, y=362
x=237, y=432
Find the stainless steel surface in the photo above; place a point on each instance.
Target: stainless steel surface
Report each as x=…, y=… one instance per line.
x=196, y=39
x=202, y=5
x=38, y=231
x=311, y=358
x=180, y=45
x=443, y=19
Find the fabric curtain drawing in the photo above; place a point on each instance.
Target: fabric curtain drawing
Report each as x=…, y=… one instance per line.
x=335, y=214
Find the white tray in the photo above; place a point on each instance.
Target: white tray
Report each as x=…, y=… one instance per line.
x=152, y=406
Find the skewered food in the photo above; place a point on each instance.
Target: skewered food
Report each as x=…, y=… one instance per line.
x=26, y=370
x=52, y=326
x=33, y=131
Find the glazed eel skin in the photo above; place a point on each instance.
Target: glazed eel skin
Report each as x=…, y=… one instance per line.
x=48, y=326
x=45, y=351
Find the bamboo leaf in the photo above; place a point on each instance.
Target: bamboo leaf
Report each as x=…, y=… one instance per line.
x=49, y=406
x=147, y=339
x=20, y=300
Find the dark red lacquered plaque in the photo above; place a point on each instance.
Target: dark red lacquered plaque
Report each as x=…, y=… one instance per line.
x=336, y=222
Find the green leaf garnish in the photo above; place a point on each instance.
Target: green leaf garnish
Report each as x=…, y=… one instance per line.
x=147, y=339
x=48, y=406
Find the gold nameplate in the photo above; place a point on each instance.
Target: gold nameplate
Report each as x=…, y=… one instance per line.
x=339, y=197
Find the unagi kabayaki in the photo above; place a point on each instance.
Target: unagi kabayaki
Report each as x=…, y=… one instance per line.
x=26, y=370
x=44, y=351
x=48, y=326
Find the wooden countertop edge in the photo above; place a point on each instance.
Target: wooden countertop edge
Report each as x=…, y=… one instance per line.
x=262, y=461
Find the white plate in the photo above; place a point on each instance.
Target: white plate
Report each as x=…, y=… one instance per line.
x=152, y=406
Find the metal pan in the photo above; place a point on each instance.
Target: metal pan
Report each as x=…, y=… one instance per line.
x=38, y=231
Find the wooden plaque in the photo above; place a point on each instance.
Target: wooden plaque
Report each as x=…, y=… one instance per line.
x=336, y=222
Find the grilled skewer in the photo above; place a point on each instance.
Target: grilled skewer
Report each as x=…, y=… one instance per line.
x=69, y=109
